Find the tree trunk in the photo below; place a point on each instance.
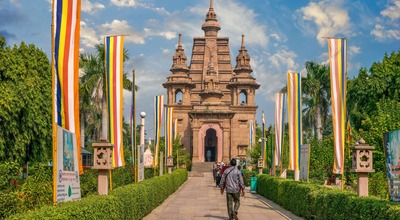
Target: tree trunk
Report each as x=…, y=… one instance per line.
x=104, y=121
x=319, y=122
x=82, y=130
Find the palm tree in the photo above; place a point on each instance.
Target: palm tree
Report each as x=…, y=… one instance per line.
x=93, y=103
x=316, y=97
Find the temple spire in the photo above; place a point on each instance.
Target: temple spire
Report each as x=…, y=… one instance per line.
x=179, y=59
x=243, y=60
x=211, y=25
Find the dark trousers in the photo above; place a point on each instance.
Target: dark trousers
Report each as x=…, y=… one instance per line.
x=232, y=198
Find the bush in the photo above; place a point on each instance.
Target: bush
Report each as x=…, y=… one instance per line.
x=313, y=201
x=133, y=201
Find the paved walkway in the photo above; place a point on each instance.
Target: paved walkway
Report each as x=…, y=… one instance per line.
x=198, y=198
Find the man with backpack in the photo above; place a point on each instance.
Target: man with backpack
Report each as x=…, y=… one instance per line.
x=232, y=182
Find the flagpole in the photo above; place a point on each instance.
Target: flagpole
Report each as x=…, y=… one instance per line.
x=133, y=135
x=54, y=128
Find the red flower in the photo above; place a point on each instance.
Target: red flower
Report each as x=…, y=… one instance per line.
x=20, y=196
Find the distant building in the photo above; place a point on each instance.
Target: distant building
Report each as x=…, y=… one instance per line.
x=213, y=101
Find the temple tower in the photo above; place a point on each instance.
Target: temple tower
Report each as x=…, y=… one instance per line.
x=213, y=102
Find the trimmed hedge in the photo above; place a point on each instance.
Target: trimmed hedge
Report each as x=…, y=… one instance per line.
x=132, y=201
x=319, y=202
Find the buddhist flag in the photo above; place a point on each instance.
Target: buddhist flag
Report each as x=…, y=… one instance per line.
x=338, y=67
x=175, y=128
x=251, y=132
x=280, y=100
x=169, y=111
x=158, y=115
x=294, y=112
x=65, y=71
x=263, y=150
x=114, y=58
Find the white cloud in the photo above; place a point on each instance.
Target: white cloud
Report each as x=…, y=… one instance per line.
x=275, y=36
x=354, y=50
x=388, y=29
x=392, y=11
x=381, y=34
x=328, y=17
x=284, y=60
x=121, y=27
x=89, y=37
x=90, y=7
x=166, y=34
x=124, y=3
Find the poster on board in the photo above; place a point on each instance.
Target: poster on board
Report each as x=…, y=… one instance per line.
x=141, y=162
x=68, y=183
x=304, y=162
x=391, y=141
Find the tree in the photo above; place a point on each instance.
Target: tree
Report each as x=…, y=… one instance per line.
x=369, y=88
x=316, y=97
x=92, y=93
x=25, y=104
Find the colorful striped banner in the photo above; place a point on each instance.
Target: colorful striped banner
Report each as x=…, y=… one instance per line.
x=169, y=111
x=294, y=112
x=280, y=100
x=158, y=115
x=251, y=132
x=175, y=128
x=65, y=64
x=263, y=147
x=114, y=58
x=338, y=67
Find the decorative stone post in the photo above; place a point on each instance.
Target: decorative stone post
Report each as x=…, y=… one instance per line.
x=260, y=165
x=362, y=165
x=102, y=162
x=170, y=163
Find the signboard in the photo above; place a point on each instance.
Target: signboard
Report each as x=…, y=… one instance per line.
x=391, y=142
x=140, y=160
x=304, y=162
x=68, y=183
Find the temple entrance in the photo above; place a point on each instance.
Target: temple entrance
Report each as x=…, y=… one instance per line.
x=210, y=145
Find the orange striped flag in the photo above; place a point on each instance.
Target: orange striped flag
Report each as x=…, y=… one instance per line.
x=65, y=63
x=169, y=112
x=114, y=58
x=294, y=113
x=338, y=67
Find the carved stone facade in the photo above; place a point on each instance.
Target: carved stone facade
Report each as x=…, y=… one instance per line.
x=213, y=102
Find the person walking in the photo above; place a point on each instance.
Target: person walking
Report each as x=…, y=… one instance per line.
x=232, y=182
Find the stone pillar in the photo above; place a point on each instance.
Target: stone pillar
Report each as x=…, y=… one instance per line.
x=170, y=163
x=142, y=117
x=362, y=164
x=102, y=157
x=260, y=165
x=196, y=145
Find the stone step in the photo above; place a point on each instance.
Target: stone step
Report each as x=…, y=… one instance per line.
x=202, y=166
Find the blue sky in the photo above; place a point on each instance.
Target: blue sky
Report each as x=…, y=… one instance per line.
x=279, y=35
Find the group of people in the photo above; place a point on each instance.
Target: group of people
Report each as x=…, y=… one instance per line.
x=230, y=180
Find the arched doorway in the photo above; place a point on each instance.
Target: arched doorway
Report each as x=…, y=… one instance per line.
x=210, y=145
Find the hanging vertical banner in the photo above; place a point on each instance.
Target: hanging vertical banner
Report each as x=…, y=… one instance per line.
x=294, y=112
x=65, y=87
x=175, y=128
x=158, y=115
x=280, y=100
x=391, y=142
x=263, y=150
x=338, y=67
x=169, y=111
x=114, y=52
x=251, y=132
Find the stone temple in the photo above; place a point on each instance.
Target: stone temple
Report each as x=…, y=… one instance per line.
x=213, y=101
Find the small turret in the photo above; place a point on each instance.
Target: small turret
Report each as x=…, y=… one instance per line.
x=243, y=60
x=211, y=26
